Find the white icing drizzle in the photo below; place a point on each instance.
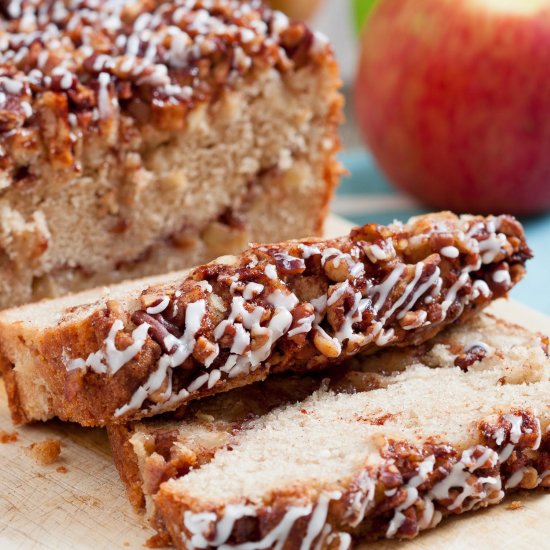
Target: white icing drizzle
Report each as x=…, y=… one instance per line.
x=419, y=269
x=251, y=290
x=326, y=336
x=242, y=359
x=182, y=349
x=515, y=435
x=198, y=383
x=502, y=276
x=284, y=256
x=480, y=288
x=505, y=454
x=361, y=500
x=241, y=341
x=425, y=468
x=500, y=434
x=408, y=299
x=112, y=359
x=279, y=299
x=105, y=104
x=421, y=319
x=212, y=356
x=437, y=289
x=320, y=306
x=516, y=422
x=458, y=478
x=452, y=292
x=214, y=376
x=383, y=289
x=271, y=271
x=339, y=291
x=450, y=252
x=431, y=281
x=376, y=253
x=194, y=314
x=160, y=307
x=399, y=517
x=539, y=437
x=384, y=336
x=309, y=250
x=344, y=538
x=318, y=518
x=430, y=516
x=336, y=256
x=199, y=524
x=305, y=324
x=491, y=247
x=516, y=478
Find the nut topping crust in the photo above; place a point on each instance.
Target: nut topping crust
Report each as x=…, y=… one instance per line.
x=70, y=69
x=278, y=308
x=410, y=489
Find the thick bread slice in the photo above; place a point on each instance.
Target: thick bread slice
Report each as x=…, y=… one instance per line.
x=151, y=451
x=176, y=132
x=299, y=306
x=343, y=466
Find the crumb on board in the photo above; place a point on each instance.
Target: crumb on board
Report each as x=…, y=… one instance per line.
x=61, y=470
x=7, y=437
x=46, y=452
x=514, y=505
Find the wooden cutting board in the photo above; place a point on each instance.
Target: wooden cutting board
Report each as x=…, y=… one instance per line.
x=86, y=507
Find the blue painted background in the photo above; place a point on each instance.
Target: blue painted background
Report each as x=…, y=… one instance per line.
x=365, y=196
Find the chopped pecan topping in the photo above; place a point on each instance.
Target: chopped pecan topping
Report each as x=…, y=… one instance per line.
x=306, y=305
x=66, y=74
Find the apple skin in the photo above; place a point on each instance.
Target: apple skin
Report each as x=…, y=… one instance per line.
x=453, y=99
x=300, y=10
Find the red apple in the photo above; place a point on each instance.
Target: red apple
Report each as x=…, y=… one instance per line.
x=301, y=10
x=453, y=98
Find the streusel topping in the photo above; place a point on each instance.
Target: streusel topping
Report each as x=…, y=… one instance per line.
x=101, y=57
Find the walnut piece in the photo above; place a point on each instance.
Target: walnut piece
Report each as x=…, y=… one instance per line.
x=328, y=346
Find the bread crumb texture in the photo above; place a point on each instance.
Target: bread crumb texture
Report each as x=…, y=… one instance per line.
x=515, y=505
x=8, y=437
x=45, y=452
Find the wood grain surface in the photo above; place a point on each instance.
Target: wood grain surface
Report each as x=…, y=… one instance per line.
x=86, y=507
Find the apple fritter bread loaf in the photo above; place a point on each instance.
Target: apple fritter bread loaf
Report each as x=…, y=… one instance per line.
x=143, y=137
x=139, y=349
x=355, y=454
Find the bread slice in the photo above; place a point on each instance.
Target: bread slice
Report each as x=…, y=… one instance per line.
x=143, y=137
x=452, y=427
x=128, y=352
x=151, y=451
